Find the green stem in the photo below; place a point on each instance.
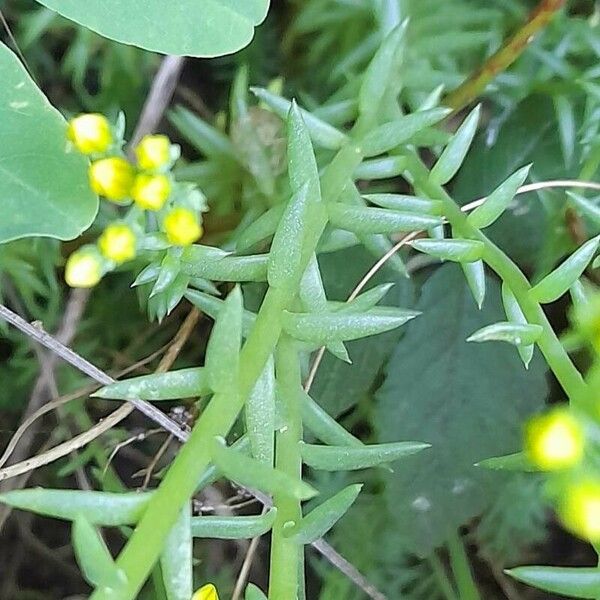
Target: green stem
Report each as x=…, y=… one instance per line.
x=459, y=561
x=504, y=57
x=285, y=577
x=557, y=358
x=441, y=577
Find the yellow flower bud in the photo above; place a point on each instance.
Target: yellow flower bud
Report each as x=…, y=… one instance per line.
x=117, y=243
x=112, y=178
x=90, y=133
x=153, y=152
x=83, y=269
x=150, y=192
x=182, y=227
x=579, y=509
x=206, y=592
x=554, y=440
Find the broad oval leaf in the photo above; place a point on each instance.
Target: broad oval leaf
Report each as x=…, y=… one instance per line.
x=44, y=187
x=183, y=27
x=575, y=582
x=352, y=458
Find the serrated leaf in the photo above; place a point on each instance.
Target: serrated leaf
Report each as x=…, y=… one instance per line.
x=322, y=518
x=463, y=389
x=554, y=285
x=44, y=188
x=454, y=154
x=497, y=202
x=183, y=27
x=350, y=458
x=518, y=334
x=574, y=582
x=458, y=250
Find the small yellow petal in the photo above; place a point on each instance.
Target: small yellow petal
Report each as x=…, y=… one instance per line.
x=150, y=192
x=206, y=592
x=579, y=509
x=182, y=227
x=117, y=243
x=112, y=178
x=83, y=269
x=153, y=152
x=90, y=133
x=554, y=441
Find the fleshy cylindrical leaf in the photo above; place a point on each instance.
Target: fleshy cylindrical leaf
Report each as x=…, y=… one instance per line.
x=363, y=302
x=223, y=349
x=99, y=508
x=196, y=262
x=518, y=334
x=259, y=411
x=475, y=276
x=344, y=458
x=381, y=168
x=176, y=559
x=254, y=593
x=403, y=203
x=363, y=220
x=574, y=582
x=454, y=154
x=585, y=207
x=94, y=559
x=324, y=328
x=515, y=315
x=388, y=136
x=497, y=202
x=260, y=229
x=321, y=132
x=554, y=285
x=322, y=518
x=233, y=528
x=458, y=250
x=510, y=462
x=251, y=473
x=174, y=385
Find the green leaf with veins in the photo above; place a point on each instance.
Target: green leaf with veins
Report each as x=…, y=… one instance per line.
x=44, y=189
x=444, y=391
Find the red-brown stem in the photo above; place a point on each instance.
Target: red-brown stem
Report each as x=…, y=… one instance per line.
x=504, y=57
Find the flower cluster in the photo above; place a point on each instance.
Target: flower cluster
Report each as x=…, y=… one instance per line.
x=147, y=187
x=563, y=442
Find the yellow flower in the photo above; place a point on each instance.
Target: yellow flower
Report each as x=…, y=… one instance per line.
x=206, y=592
x=117, y=243
x=579, y=509
x=153, y=152
x=90, y=133
x=83, y=269
x=554, y=440
x=112, y=178
x=151, y=191
x=182, y=227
